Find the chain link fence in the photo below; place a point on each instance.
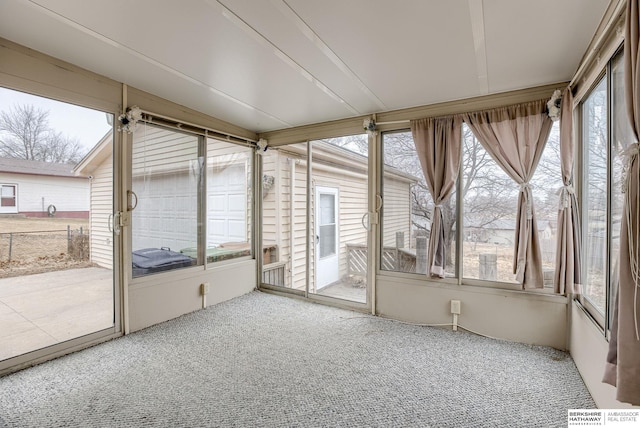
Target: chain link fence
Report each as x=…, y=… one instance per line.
x=32, y=246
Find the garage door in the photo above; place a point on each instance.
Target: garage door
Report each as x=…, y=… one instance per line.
x=227, y=205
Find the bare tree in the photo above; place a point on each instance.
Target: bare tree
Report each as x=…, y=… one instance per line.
x=62, y=149
x=25, y=134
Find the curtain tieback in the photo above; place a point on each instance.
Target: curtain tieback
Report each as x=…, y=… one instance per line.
x=566, y=192
x=628, y=154
x=525, y=188
x=437, y=206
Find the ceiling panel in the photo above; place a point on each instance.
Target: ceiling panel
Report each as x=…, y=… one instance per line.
x=266, y=65
x=534, y=43
x=406, y=51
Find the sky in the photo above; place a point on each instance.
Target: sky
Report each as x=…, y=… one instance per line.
x=86, y=125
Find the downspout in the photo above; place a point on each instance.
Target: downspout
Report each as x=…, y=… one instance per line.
x=309, y=233
x=292, y=199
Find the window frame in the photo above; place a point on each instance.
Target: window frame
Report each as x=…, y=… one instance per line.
x=458, y=277
x=602, y=319
x=14, y=197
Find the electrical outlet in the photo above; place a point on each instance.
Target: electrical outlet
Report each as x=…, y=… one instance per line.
x=455, y=307
x=204, y=288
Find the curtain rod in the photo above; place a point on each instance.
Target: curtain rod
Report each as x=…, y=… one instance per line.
x=393, y=122
x=197, y=129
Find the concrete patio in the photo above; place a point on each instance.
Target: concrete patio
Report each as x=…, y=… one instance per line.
x=44, y=309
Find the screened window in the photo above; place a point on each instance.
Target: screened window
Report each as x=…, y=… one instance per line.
x=314, y=214
x=489, y=202
x=605, y=134
x=594, y=131
x=490, y=199
x=167, y=175
x=407, y=210
x=229, y=174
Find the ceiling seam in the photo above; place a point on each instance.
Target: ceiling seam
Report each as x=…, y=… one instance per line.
x=476, y=12
x=151, y=61
x=310, y=34
x=260, y=38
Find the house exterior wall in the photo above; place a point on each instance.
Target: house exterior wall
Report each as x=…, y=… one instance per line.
x=353, y=204
x=276, y=212
x=69, y=195
x=101, y=209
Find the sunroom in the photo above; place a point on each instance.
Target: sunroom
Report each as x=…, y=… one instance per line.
x=458, y=163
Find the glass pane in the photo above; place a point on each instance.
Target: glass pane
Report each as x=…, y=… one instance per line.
x=166, y=177
x=327, y=209
x=284, y=218
x=594, y=119
x=545, y=183
x=228, y=201
x=621, y=137
x=56, y=250
x=339, y=175
x=490, y=199
x=327, y=240
x=407, y=209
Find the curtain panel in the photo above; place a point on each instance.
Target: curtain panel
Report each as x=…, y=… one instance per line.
x=438, y=145
x=623, y=362
x=515, y=137
x=568, y=246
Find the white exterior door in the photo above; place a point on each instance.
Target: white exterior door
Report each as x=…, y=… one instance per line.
x=8, y=199
x=327, y=237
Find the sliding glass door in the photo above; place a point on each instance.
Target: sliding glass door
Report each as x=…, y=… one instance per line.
x=57, y=280
x=315, y=212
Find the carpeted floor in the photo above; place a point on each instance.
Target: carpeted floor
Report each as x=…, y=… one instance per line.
x=268, y=361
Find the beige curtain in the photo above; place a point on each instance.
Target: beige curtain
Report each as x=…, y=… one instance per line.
x=438, y=142
x=515, y=137
x=623, y=360
x=567, y=274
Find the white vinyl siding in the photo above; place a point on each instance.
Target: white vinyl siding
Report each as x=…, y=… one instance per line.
x=37, y=192
x=352, y=191
x=101, y=209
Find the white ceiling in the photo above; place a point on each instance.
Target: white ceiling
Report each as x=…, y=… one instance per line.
x=272, y=64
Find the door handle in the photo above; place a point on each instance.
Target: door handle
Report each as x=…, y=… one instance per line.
x=132, y=199
x=116, y=223
x=365, y=225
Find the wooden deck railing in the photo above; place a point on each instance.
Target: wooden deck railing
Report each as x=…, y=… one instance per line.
x=393, y=259
x=274, y=273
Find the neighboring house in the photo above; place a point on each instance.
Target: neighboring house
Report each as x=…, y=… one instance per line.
x=502, y=231
x=40, y=189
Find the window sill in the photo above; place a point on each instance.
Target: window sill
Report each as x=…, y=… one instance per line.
x=486, y=288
